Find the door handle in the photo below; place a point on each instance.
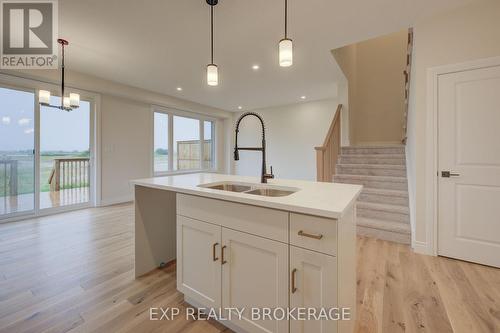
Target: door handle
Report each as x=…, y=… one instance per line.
x=213, y=252
x=222, y=255
x=448, y=174
x=294, y=289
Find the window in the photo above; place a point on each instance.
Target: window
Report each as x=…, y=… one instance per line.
x=208, y=144
x=160, y=152
x=177, y=145
x=186, y=143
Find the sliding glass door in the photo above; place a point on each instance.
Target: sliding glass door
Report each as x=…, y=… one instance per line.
x=46, y=155
x=17, y=148
x=65, y=175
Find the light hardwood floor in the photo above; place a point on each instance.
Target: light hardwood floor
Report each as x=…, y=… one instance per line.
x=73, y=272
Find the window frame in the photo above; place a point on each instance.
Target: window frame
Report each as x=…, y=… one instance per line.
x=171, y=112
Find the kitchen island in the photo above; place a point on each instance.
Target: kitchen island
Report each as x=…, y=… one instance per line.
x=240, y=244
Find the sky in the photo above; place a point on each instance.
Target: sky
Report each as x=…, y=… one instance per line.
x=59, y=130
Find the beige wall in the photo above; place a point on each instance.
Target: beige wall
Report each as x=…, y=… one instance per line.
x=125, y=138
x=374, y=69
x=464, y=34
x=126, y=128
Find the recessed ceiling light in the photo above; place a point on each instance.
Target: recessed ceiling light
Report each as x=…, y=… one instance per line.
x=240, y=107
x=302, y=97
x=179, y=88
x=255, y=67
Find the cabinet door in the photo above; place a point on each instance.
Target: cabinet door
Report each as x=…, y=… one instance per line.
x=314, y=275
x=255, y=275
x=198, y=261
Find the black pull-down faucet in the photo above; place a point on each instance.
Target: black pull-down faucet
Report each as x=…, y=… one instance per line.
x=264, y=175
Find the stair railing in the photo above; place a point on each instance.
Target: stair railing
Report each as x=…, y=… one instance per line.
x=406, y=73
x=328, y=153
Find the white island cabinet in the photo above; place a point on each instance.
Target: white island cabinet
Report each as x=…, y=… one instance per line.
x=241, y=251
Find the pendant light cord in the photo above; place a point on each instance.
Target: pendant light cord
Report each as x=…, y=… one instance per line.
x=62, y=77
x=212, y=34
x=286, y=19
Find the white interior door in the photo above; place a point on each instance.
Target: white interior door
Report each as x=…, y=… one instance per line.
x=469, y=149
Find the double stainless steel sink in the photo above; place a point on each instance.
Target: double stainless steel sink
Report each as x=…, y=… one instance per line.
x=254, y=189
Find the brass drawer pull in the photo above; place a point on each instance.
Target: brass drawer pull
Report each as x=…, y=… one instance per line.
x=294, y=289
x=222, y=251
x=302, y=233
x=213, y=252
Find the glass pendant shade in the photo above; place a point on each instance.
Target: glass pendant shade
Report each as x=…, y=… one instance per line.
x=66, y=102
x=212, y=75
x=44, y=97
x=286, y=52
x=74, y=100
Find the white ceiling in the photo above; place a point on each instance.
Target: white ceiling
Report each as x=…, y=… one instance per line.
x=163, y=44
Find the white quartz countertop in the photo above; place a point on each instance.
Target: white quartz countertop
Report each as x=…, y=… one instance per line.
x=314, y=198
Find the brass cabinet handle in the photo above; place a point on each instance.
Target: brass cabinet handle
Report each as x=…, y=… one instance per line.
x=294, y=289
x=302, y=233
x=213, y=251
x=222, y=252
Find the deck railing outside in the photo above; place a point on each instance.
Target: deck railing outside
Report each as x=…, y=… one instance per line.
x=8, y=168
x=68, y=173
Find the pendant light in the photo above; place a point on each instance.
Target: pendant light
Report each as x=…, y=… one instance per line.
x=212, y=70
x=68, y=103
x=286, y=45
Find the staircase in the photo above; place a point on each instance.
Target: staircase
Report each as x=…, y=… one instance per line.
x=382, y=207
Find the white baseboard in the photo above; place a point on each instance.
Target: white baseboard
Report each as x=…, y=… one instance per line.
x=116, y=200
x=422, y=248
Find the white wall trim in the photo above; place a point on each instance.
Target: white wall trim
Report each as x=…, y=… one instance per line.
x=117, y=200
x=421, y=247
x=97, y=150
x=411, y=197
x=430, y=245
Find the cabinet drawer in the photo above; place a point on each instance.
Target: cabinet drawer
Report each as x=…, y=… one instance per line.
x=259, y=221
x=314, y=233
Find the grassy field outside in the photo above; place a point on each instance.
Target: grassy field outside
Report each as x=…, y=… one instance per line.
x=160, y=161
x=26, y=170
